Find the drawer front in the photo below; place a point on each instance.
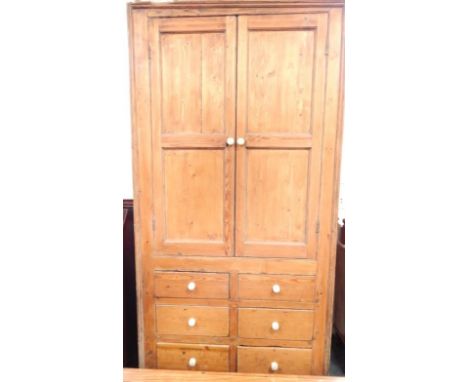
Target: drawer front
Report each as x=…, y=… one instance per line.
x=274, y=360
x=192, y=320
x=193, y=357
x=191, y=285
x=276, y=324
x=277, y=287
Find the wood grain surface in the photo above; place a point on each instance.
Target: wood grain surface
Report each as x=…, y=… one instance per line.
x=259, y=359
x=149, y=375
x=208, y=357
x=207, y=285
x=231, y=216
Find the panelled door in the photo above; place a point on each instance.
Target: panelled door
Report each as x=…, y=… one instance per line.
x=280, y=103
x=192, y=71
x=274, y=166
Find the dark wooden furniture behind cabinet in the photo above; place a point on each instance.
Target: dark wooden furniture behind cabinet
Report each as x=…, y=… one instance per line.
x=339, y=305
x=130, y=351
x=236, y=112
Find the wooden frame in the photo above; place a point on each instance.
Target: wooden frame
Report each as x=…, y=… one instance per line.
x=322, y=266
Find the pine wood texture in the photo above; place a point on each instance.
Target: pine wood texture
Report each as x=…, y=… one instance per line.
x=176, y=284
x=289, y=360
x=177, y=357
x=209, y=321
x=291, y=288
x=151, y=375
x=236, y=114
x=278, y=178
x=293, y=324
x=192, y=77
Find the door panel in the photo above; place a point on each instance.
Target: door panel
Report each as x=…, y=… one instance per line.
x=198, y=193
x=280, y=99
x=192, y=65
x=279, y=81
x=287, y=168
x=193, y=82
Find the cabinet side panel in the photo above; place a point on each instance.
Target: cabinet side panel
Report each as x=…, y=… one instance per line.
x=141, y=146
x=331, y=156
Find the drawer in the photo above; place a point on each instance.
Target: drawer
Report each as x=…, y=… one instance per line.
x=274, y=360
x=277, y=287
x=278, y=324
x=192, y=320
x=193, y=357
x=191, y=284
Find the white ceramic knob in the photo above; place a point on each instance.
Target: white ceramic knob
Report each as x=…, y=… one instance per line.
x=230, y=141
x=192, y=362
x=276, y=288
x=240, y=141
x=192, y=322
x=274, y=366
x=191, y=285
x=275, y=325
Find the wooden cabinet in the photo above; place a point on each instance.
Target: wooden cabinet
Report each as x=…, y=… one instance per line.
x=236, y=114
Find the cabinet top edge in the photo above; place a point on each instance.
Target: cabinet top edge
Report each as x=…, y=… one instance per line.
x=233, y=4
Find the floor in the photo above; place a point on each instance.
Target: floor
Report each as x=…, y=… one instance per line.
x=337, y=359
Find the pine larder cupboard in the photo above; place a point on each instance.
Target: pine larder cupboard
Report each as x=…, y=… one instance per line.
x=236, y=113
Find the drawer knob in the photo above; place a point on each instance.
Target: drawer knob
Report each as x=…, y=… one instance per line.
x=192, y=362
x=230, y=141
x=276, y=288
x=192, y=322
x=240, y=141
x=275, y=325
x=274, y=366
x=191, y=285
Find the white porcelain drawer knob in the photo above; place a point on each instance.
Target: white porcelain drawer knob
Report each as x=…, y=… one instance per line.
x=240, y=141
x=230, y=141
x=276, y=288
x=275, y=325
x=192, y=322
x=191, y=285
x=192, y=362
x=274, y=366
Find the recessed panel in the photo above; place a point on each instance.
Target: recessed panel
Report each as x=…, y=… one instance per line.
x=194, y=194
x=193, y=76
x=276, y=196
x=280, y=76
x=212, y=80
